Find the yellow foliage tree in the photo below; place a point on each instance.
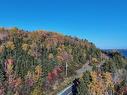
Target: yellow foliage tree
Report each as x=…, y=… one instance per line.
x=37, y=91
x=10, y=45
x=38, y=72
x=10, y=65
x=25, y=47
x=93, y=75
x=50, y=56
x=108, y=80
x=94, y=60
x=100, y=84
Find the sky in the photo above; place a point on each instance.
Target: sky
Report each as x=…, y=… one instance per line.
x=103, y=22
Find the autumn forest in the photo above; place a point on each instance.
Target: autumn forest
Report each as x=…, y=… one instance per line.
x=33, y=63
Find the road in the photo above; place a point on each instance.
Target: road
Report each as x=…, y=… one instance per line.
x=87, y=67
x=84, y=68
x=68, y=90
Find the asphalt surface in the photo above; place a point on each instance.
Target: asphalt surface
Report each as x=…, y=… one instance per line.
x=68, y=90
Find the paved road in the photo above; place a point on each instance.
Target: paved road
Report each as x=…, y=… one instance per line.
x=68, y=90
x=85, y=68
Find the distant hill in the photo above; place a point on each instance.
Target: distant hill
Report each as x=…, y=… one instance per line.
x=122, y=51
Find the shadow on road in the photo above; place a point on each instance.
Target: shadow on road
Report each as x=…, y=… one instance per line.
x=76, y=82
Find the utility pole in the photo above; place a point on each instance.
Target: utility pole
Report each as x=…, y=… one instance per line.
x=90, y=59
x=66, y=68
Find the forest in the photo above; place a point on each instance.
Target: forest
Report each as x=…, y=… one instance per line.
x=33, y=63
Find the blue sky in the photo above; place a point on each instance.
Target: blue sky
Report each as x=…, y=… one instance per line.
x=104, y=22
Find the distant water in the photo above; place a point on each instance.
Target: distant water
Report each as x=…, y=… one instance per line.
x=123, y=52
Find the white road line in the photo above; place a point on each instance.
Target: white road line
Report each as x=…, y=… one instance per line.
x=69, y=93
x=64, y=90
